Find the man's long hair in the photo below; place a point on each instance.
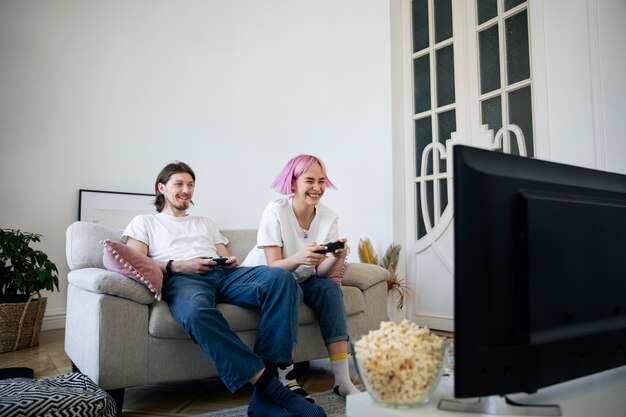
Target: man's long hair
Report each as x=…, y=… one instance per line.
x=164, y=176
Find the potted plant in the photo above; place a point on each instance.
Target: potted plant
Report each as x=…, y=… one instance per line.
x=395, y=284
x=24, y=272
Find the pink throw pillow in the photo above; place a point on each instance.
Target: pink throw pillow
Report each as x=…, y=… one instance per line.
x=127, y=261
x=337, y=273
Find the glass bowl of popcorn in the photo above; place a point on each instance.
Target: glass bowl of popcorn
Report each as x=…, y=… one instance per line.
x=400, y=364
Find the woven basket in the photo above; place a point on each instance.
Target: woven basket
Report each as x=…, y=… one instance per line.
x=20, y=324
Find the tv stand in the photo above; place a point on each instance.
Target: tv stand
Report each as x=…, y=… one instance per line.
x=600, y=394
x=499, y=406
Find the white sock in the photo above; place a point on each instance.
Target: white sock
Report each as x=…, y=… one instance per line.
x=341, y=370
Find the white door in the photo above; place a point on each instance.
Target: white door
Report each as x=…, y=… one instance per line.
x=467, y=66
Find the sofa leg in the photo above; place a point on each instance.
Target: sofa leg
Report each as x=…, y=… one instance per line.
x=118, y=397
x=117, y=394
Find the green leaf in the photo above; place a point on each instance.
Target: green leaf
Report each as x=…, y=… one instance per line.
x=24, y=270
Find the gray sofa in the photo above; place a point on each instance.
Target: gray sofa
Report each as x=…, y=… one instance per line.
x=120, y=336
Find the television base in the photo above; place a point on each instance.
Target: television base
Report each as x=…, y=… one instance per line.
x=500, y=406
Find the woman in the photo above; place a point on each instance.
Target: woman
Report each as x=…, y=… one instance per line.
x=292, y=230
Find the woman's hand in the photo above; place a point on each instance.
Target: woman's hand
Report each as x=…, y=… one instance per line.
x=307, y=256
x=342, y=253
x=326, y=268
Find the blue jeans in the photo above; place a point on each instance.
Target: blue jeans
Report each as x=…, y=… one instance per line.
x=192, y=300
x=326, y=299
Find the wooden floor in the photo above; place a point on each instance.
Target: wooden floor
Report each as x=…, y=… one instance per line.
x=180, y=399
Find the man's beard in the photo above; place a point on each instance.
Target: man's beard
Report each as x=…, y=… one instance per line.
x=182, y=206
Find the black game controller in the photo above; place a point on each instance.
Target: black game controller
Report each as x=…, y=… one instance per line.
x=219, y=260
x=331, y=247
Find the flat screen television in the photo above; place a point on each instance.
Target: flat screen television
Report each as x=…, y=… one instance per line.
x=540, y=272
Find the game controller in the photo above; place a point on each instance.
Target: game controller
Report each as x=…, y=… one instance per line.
x=219, y=260
x=331, y=247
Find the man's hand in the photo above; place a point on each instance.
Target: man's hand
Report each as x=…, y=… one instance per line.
x=210, y=264
x=207, y=265
x=193, y=266
x=231, y=263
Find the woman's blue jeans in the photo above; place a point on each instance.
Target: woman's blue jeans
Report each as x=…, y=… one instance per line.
x=192, y=300
x=326, y=299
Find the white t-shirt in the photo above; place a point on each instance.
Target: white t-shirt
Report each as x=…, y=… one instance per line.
x=170, y=237
x=279, y=227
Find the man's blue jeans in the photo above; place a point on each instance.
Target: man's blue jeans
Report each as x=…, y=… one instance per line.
x=192, y=300
x=326, y=299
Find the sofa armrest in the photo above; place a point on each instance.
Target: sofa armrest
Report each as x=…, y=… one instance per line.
x=363, y=276
x=103, y=281
x=107, y=338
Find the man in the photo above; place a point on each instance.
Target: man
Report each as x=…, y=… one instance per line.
x=194, y=284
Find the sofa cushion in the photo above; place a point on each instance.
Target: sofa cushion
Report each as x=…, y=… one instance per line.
x=163, y=325
x=363, y=276
x=353, y=300
x=82, y=245
x=240, y=242
x=131, y=263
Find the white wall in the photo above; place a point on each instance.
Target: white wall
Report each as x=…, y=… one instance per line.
x=581, y=87
x=101, y=95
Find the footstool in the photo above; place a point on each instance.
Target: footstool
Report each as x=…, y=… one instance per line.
x=72, y=394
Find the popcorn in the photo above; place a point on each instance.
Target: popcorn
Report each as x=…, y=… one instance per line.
x=400, y=363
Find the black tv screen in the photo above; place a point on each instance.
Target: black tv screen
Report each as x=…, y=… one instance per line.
x=540, y=272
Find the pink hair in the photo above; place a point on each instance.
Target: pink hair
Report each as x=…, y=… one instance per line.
x=292, y=171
